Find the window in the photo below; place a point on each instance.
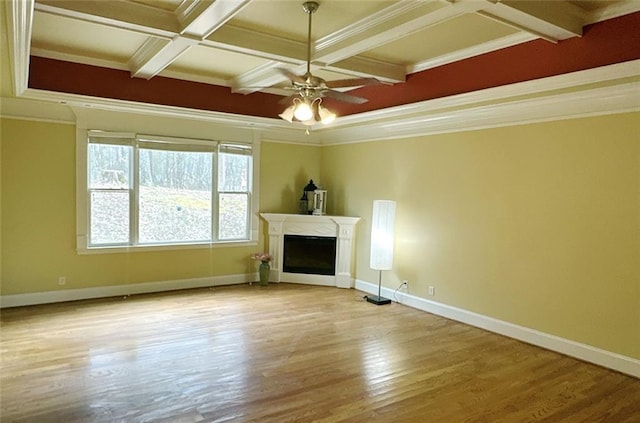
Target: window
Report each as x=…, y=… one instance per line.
x=234, y=164
x=150, y=190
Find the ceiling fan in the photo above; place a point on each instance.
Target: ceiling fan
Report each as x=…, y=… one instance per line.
x=306, y=102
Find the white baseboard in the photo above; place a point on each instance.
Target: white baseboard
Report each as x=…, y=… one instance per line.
x=614, y=361
x=62, y=295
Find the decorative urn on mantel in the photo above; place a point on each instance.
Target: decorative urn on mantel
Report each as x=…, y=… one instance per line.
x=328, y=240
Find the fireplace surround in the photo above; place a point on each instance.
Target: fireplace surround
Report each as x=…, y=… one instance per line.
x=319, y=230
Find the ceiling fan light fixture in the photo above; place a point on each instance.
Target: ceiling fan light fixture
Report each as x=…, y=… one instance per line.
x=307, y=108
x=308, y=112
x=288, y=113
x=326, y=115
x=302, y=110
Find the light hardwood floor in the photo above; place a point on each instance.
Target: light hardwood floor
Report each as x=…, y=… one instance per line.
x=285, y=353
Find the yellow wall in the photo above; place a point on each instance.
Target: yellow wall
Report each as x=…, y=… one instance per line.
x=285, y=170
x=0, y=204
x=38, y=217
x=537, y=225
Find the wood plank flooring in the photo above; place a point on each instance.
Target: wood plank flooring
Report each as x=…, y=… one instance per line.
x=285, y=353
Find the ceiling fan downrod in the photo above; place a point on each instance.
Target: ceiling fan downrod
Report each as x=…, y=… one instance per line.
x=309, y=8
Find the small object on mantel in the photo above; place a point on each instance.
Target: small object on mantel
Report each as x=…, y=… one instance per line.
x=304, y=204
x=319, y=202
x=311, y=187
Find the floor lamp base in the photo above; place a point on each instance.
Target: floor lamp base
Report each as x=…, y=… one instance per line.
x=378, y=300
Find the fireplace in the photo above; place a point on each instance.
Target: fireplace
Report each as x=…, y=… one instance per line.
x=315, y=250
x=314, y=255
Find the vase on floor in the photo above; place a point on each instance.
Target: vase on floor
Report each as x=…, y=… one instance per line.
x=265, y=271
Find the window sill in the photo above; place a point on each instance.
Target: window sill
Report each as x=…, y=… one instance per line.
x=167, y=247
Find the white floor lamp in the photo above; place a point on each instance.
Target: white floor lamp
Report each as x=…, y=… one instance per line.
x=384, y=215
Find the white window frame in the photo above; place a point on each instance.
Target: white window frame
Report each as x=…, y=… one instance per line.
x=241, y=149
x=83, y=203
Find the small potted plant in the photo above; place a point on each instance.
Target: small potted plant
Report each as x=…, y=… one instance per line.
x=264, y=268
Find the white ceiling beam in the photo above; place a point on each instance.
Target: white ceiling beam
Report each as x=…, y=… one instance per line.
x=613, y=10
x=288, y=52
x=19, y=26
x=198, y=19
x=173, y=34
x=364, y=67
x=277, y=50
x=205, y=22
x=149, y=59
x=390, y=24
x=257, y=44
x=122, y=15
x=549, y=20
x=156, y=54
x=473, y=51
x=337, y=51
x=395, y=13
x=284, y=52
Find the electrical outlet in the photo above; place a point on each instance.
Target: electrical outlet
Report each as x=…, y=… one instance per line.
x=432, y=291
x=62, y=280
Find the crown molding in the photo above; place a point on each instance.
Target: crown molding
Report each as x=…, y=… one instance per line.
x=19, y=25
x=64, y=107
x=605, y=90
x=599, y=101
x=553, y=98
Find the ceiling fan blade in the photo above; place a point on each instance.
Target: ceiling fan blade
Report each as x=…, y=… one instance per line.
x=347, y=98
x=292, y=76
x=353, y=82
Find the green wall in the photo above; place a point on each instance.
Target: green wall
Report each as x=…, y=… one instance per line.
x=537, y=225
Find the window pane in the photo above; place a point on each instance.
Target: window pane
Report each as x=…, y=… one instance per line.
x=233, y=172
x=109, y=166
x=174, y=196
x=233, y=216
x=109, y=218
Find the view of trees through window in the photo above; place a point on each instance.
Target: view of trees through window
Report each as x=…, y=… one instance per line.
x=175, y=202
x=233, y=180
x=175, y=196
x=109, y=181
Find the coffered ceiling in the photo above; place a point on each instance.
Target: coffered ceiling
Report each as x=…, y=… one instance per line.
x=240, y=44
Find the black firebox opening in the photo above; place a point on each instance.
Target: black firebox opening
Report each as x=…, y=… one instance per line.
x=315, y=255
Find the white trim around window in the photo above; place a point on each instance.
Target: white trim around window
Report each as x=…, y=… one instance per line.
x=240, y=143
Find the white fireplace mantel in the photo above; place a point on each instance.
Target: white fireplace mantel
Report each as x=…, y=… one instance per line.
x=341, y=227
